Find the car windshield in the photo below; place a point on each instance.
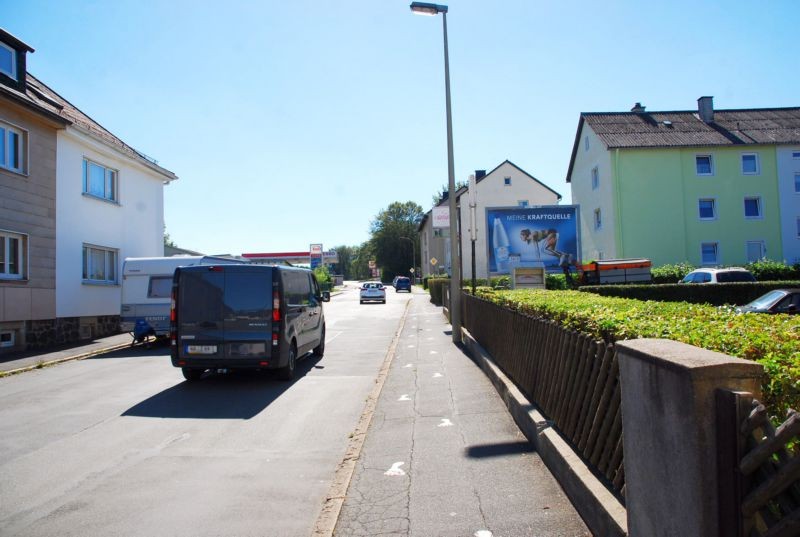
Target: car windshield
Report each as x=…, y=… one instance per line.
x=765, y=301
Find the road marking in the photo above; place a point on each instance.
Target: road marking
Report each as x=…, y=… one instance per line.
x=404, y=397
x=483, y=533
x=395, y=470
x=409, y=365
x=411, y=346
x=434, y=352
x=445, y=423
x=437, y=375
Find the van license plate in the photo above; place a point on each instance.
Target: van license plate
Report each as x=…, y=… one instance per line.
x=201, y=349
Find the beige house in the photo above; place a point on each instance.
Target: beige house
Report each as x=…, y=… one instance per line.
x=507, y=185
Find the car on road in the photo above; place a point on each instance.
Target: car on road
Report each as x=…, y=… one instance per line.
x=372, y=292
x=402, y=283
x=719, y=275
x=775, y=301
x=245, y=316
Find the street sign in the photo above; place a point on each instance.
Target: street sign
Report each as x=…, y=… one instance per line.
x=441, y=217
x=434, y=261
x=412, y=270
x=316, y=249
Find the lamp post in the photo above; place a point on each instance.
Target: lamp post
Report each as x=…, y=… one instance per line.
x=413, y=258
x=423, y=8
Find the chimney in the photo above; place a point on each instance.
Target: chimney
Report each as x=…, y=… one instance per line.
x=480, y=174
x=705, y=109
x=638, y=108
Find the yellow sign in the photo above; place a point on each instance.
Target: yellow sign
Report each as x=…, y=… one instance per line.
x=434, y=261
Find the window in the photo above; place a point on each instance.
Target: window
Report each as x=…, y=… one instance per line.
x=750, y=164
x=507, y=181
x=99, y=181
x=598, y=219
x=797, y=182
x=796, y=154
x=707, y=209
x=752, y=208
x=798, y=228
x=522, y=203
x=8, y=61
x=704, y=164
x=709, y=253
x=586, y=143
x=13, y=249
x=99, y=264
x=159, y=287
x=595, y=178
x=756, y=251
x=13, y=143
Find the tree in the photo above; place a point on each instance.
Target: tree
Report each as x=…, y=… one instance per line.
x=346, y=254
x=393, y=254
x=442, y=192
x=168, y=241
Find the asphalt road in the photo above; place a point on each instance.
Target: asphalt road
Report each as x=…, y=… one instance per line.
x=120, y=444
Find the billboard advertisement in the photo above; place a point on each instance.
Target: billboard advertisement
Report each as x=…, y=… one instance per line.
x=532, y=237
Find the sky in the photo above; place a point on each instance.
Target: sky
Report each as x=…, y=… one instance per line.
x=296, y=122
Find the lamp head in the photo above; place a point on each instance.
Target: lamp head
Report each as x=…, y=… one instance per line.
x=425, y=8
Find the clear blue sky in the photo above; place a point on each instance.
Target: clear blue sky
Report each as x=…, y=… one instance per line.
x=297, y=121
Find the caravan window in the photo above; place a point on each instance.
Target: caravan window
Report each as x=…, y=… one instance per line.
x=159, y=287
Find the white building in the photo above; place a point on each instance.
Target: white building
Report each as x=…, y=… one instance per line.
x=78, y=201
x=789, y=195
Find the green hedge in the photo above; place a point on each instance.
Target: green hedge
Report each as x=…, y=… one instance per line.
x=436, y=288
x=771, y=340
x=719, y=294
x=763, y=270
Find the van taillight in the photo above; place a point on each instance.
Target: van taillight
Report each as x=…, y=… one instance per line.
x=274, y=339
x=276, y=306
x=172, y=308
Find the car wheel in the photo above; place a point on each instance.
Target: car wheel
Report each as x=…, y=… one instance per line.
x=319, y=350
x=383, y=302
x=287, y=372
x=192, y=374
x=360, y=301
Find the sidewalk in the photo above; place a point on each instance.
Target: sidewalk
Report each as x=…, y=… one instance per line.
x=442, y=455
x=23, y=361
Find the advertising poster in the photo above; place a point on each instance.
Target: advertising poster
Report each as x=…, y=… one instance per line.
x=532, y=237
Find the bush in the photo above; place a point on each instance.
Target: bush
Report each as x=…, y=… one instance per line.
x=768, y=270
x=771, y=340
x=671, y=273
x=718, y=294
x=323, y=278
x=436, y=288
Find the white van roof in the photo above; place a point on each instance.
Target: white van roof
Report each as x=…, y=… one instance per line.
x=167, y=265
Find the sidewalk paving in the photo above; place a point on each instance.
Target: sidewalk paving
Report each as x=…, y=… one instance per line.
x=23, y=361
x=443, y=456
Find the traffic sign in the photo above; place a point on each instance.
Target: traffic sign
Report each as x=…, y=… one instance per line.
x=434, y=261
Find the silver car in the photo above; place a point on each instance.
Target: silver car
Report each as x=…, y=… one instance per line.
x=372, y=292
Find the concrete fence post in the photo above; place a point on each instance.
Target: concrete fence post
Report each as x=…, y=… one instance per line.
x=669, y=429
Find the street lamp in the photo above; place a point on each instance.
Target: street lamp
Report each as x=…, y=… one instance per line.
x=423, y=8
x=413, y=258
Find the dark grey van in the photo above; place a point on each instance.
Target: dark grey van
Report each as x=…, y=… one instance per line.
x=245, y=317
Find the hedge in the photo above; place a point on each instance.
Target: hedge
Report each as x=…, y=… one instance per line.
x=436, y=288
x=719, y=294
x=771, y=340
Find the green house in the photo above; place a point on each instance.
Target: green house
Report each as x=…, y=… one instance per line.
x=711, y=187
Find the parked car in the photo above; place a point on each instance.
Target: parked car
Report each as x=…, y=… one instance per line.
x=775, y=301
x=401, y=283
x=719, y=275
x=372, y=292
x=245, y=317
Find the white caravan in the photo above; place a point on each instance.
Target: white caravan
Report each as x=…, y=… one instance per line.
x=147, y=290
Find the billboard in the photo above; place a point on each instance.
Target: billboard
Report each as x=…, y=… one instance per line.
x=531, y=237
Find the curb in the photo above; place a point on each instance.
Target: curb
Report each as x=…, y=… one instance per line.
x=601, y=510
x=81, y=356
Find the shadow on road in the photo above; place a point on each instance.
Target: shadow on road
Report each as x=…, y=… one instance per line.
x=499, y=450
x=234, y=395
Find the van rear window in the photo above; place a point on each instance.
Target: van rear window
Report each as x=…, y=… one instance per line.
x=159, y=287
x=247, y=295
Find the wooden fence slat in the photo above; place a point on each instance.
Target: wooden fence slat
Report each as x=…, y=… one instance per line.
x=788, y=526
x=612, y=440
x=602, y=409
x=578, y=387
x=567, y=371
x=591, y=383
x=597, y=395
x=614, y=403
x=784, y=477
x=784, y=433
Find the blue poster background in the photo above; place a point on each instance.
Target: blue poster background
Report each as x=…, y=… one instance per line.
x=531, y=236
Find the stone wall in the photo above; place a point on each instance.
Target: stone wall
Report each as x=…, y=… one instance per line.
x=53, y=332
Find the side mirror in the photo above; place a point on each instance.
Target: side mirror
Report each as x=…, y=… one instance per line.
x=326, y=296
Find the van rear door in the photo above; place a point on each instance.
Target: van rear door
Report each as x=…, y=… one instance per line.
x=247, y=311
x=225, y=312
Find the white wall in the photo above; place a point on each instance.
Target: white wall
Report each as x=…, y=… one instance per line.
x=134, y=227
x=492, y=192
x=601, y=241
x=789, y=201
